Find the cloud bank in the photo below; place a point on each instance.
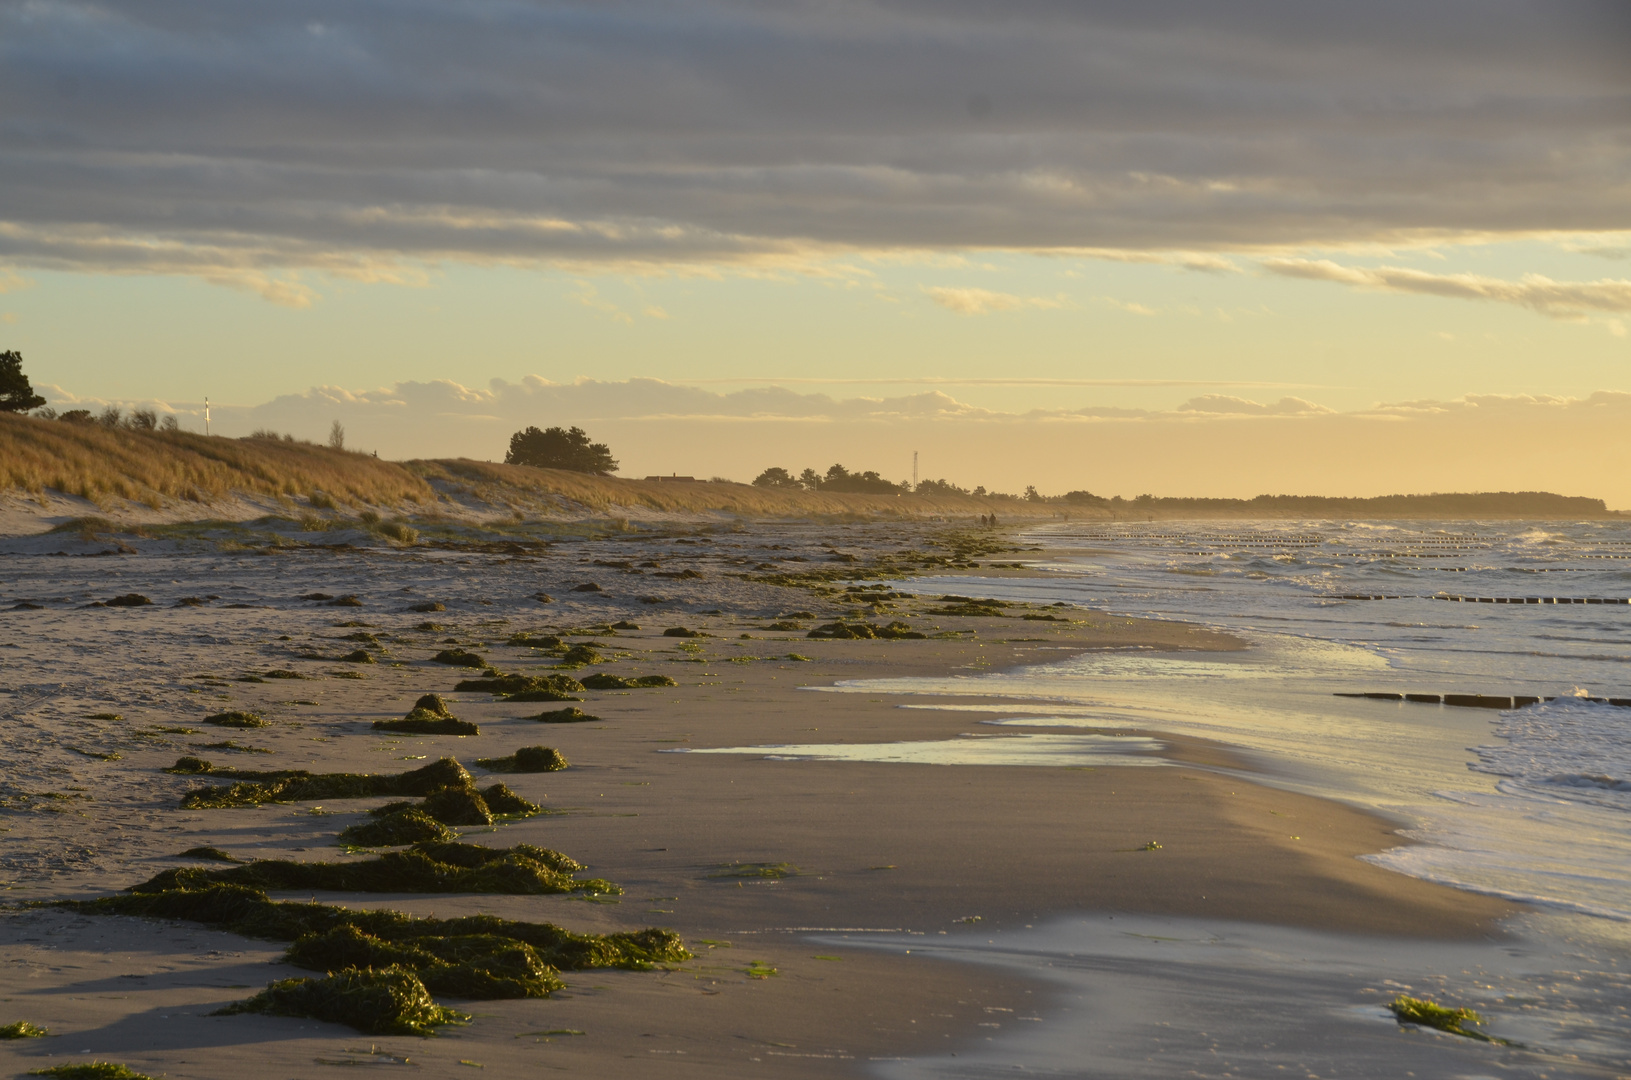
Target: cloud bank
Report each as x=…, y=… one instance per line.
x=1558, y=299
x=1213, y=444
x=246, y=143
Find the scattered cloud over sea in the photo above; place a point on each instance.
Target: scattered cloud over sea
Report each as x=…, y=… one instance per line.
x=249, y=144
x=1212, y=444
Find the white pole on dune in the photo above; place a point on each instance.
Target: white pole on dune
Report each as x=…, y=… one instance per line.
x=914, y=469
x=206, y=416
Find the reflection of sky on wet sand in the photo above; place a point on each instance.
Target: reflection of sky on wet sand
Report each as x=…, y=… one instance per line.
x=1134, y=996
x=1045, y=750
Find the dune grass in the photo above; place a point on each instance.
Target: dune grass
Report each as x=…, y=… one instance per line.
x=99, y=463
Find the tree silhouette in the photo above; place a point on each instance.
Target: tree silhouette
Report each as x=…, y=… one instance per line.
x=16, y=395
x=560, y=448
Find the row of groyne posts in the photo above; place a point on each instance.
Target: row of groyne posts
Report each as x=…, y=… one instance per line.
x=1491, y=599
x=1478, y=701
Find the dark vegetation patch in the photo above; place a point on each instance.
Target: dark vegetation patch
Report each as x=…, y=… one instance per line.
x=248, y=911
x=963, y=605
x=211, y=854
x=524, y=687
x=774, y=871
x=678, y=575
x=579, y=655
x=447, y=867
x=528, y=759
x=528, y=639
x=430, y=627
x=625, y=625
x=22, y=1029
x=409, y=825
x=298, y=785
x=427, y=607
x=429, y=716
x=232, y=745
x=894, y=631
x=587, y=586
x=681, y=631
x=543, y=598
x=783, y=624
x=348, y=600
x=92, y=1070
x=569, y=715
x=385, y=1001
x=1044, y=618
x=459, y=658
x=104, y=716
x=237, y=720
x=358, y=656
x=602, y=681
x=283, y=673
x=1411, y=1010
x=129, y=600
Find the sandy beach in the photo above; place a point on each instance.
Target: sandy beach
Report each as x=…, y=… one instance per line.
x=773, y=872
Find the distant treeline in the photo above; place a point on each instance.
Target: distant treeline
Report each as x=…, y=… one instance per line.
x=1483, y=504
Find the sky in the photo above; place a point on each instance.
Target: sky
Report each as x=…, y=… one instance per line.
x=1178, y=248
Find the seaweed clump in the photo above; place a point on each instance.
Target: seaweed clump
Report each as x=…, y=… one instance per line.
x=408, y=825
x=523, y=870
x=524, y=687
x=485, y=967
x=264, y=786
x=1411, y=1010
x=459, y=658
x=249, y=911
x=22, y=1029
x=535, y=641
x=528, y=759
x=895, y=631
x=236, y=719
x=92, y=1070
x=581, y=655
x=569, y=715
x=429, y=716
x=210, y=854
x=386, y=1001
x=602, y=681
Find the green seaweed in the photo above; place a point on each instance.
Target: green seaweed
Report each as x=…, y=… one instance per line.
x=284, y=673
x=895, y=631
x=248, y=911
x=580, y=655
x=1411, y=1010
x=535, y=641
x=299, y=786
x=483, y=967
x=755, y=870
x=506, y=803
x=682, y=632
x=409, y=825
x=569, y=715
x=213, y=854
x=235, y=719
x=458, y=806
x=448, y=867
x=92, y=1070
x=358, y=656
x=420, y=723
x=602, y=681
x=22, y=1029
x=459, y=658
x=524, y=687
x=386, y=1001
x=528, y=759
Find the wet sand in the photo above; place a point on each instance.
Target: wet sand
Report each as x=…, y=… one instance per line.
x=937, y=851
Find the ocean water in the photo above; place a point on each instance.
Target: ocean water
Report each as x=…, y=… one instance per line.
x=1532, y=803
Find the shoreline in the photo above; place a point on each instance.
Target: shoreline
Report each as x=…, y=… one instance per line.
x=904, y=847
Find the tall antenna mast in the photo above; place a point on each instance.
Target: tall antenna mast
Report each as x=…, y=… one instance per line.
x=914, y=469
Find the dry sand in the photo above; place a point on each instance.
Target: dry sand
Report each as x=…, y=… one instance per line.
x=928, y=849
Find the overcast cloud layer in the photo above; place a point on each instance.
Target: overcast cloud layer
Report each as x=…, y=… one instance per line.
x=235, y=141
